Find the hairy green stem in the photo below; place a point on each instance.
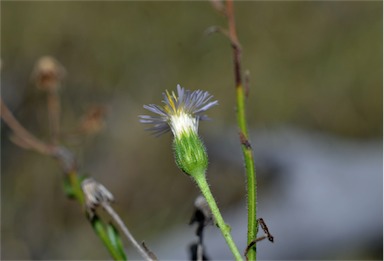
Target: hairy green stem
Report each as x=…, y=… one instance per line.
x=240, y=100
x=242, y=123
x=201, y=182
x=250, y=172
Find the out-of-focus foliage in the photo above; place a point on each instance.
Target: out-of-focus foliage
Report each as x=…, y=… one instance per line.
x=312, y=64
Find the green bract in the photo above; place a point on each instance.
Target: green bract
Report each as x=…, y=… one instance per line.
x=190, y=154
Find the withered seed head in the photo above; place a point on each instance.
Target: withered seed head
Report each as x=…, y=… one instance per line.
x=48, y=74
x=95, y=194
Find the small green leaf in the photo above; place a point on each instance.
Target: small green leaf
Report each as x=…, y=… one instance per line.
x=104, y=235
x=115, y=239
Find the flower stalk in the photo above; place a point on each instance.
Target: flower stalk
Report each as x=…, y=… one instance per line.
x=225, y=229
x=181, y=114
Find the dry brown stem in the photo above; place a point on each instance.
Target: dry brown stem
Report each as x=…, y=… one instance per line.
x=21, y=133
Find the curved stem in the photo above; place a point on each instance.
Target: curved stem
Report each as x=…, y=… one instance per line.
x=22, y=133
x=225, y=229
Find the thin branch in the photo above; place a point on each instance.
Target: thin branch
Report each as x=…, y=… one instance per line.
x=267, y=234
x=68, y=164
x=22, y=133
x=97, y=195
x=54, y=110
x=48, y=75
x=235, y=42
x=63, y=155
x=126, y=232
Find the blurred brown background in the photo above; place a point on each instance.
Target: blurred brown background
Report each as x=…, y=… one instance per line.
x=314, y=65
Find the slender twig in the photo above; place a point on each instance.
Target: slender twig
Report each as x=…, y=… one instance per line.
x=97, y=195
x=22, y=133
x=267, y=234
x=99, y=228
x=244, y=138
x=265, y=229
x=62, y=155
x=126, y=232
x=54, y=109
x=48, y=75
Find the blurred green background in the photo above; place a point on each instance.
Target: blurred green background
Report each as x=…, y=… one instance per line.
x=316, y=65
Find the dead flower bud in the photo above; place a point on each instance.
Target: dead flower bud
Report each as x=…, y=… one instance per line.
x=93, y=121
x=48, y=73
x=95, y=194
x=218, y=5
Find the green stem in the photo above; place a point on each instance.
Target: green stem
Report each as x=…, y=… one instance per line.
x=240, y=100
x=225, y=229
x=97, y=224
x=252, y=198
x=76, y=186
x=250, y=172
x=242, y=122
x=101, y=232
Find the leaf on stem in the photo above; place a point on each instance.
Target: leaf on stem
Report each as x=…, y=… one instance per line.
x=115, y=239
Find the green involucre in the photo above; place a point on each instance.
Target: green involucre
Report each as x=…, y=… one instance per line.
x=190, y=154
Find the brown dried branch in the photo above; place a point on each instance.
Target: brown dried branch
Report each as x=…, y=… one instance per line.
x=47, y=76
x=235, y=42
x=25, y=136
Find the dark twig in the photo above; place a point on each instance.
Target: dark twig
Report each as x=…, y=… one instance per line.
x=203, y=217
x=265, y=229
x=267, y=234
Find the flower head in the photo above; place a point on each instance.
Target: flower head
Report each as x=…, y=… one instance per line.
x=180, y=113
